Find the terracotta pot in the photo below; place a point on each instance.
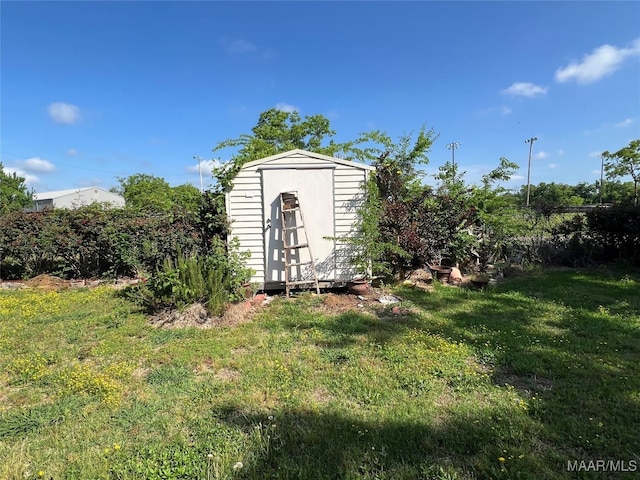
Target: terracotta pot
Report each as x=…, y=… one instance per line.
x=358, y=287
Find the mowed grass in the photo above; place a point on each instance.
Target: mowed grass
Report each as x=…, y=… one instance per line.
x=512, y=382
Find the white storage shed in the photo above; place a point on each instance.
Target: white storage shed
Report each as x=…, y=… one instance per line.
x=329, y=190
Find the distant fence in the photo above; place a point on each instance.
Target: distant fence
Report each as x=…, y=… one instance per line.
x=581, y=208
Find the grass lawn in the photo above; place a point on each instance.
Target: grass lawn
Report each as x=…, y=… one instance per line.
x=514, y=382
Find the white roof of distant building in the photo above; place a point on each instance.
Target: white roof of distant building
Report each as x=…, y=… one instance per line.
x=62, y=193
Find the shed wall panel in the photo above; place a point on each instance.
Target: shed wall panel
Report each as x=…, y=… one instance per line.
x=348, y=198
x=245, y=213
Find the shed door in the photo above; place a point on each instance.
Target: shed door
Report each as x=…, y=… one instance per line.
x=315, y=192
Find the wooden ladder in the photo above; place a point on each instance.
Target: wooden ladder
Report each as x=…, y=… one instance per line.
x=289, y=205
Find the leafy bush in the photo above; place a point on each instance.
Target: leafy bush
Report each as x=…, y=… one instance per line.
x=212, y=280
x=601, y=235
x=184, y=281
x=405, y=224
x=93, y=241
x=616, y=231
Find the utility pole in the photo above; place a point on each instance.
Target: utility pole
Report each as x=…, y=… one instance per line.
x=453, y=146
x=530, y=142
x=601, y=177
x=199, y=170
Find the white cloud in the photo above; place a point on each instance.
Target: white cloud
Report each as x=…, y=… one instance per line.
x=239, y=45
x=625, y=123
x=525, y=89
x=503, y=110
x=286, y=107
x=541, y=155
x=596, y=172
x=603, y=61
x=516, y=177
x=72, y=152
x=206, y=165
x=595, y=154
x=560, y=152
x=61, y=112
x=609, y=126
x=36, y=164
x=552, y=165
x=28, y=178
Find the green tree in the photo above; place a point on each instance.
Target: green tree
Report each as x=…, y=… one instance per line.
x=186, y=196
x=588, y=192
x=497, y=218
x=397, y=176
x=14, y=194
x=547, y=197
x=277, y=132
x=147, y=192
x=618, y=192
x=625, y=161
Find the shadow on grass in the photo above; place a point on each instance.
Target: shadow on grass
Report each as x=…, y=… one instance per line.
x=562, y=337
x=568, y=339
x=303, y=444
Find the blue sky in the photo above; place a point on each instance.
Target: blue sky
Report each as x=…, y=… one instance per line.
x=92, y=91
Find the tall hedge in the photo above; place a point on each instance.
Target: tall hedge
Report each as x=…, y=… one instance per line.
x=616, y=231
x=95, y=242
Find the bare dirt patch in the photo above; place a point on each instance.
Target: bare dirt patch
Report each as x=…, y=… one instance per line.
x=237, y=314
x=48, y=283
x=205, y=366
x=321, y=395
x=141, y=372
x=336, y=303
x=523, y=384
x=197, y=316
x=227, y=374
x=377, y=301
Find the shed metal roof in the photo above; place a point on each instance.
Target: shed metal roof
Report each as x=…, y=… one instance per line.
x=318, y=156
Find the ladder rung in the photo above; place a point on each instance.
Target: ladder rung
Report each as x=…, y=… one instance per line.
x=294, y=227
x=301, y=282
x=285, y=210
x=297, y=264
x=301, y=245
